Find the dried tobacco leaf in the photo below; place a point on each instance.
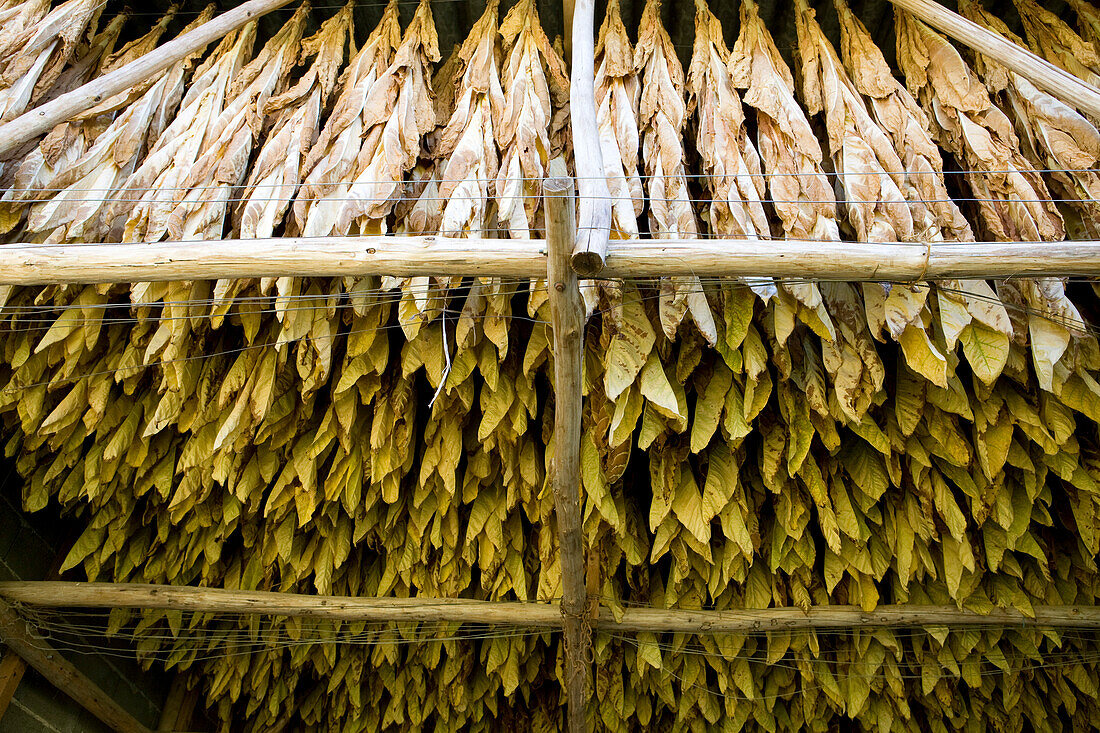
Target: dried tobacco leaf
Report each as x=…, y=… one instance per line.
x=733, y=175
x=662, y=116
x=328, y=167
x=800, y=193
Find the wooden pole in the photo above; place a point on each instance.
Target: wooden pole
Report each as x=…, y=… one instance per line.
x=567, y=317
x=12, y=667
x=173, y=703
x=594, y=211
x=1060, y=83
x=16, y=633
x=43, y=119
x=567, y=11
x=60, y=594
x=33, y=264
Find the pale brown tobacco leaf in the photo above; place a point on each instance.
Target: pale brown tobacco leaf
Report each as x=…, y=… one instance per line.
x=468, y=142
x=1013, y=201
x=148, y=197
x=733, y=178
x=221, y=162
x=275, y=175
x=85, y=189
x=1017, y=204
x=618, y=90
x=403, y=112
x=68, y=141
x=1088, y=21
x=536, y=84
x=797, y=186
x=330, y=163
x=1053, y=136
x=936, y=217
x=662, y=117
x=40, y=45
x=1050, y=37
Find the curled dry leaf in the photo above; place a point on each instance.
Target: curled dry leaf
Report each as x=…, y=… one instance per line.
x=68, y=141
x=275, y=175
x=1053, y=135
x=468, y=142
x=618, y=91
x=147, y=199
x=401, y=111
x=733, y=176
x=662, y=116
x=967, y=307
x=40, y=44
x=330, y=164
x=1052, y=38
x=1088, y=21
x=86, y=188
x=800, y=192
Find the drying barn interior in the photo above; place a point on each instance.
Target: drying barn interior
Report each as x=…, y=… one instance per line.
x=548, y=366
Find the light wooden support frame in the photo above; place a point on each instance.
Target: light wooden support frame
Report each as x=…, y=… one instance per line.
x=58, y=594
x=1060, y=83
x=567, y=321
x=17, y=635
x=43, y=119
x=594, y=209
x=12, y=668
x=34, y=264
x=173, y=705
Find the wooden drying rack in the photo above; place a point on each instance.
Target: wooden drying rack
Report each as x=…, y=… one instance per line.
x=577, y=243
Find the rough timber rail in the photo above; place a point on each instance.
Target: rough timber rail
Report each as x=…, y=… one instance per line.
x=33, y=264
x=60, y=594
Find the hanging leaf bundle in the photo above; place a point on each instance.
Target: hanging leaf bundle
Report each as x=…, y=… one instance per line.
x=731, y=164
x=662, y=116
x=351, y=127
x=77, y=197
x=274, y=177
x=825, y=444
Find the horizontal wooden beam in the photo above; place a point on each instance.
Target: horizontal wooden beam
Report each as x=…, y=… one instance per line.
x=42, y=119
x=1060, y=83
x=18, y=636
x=57, y=594
x=34, y=264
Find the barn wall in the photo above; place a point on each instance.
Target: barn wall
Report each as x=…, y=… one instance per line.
x=29, y=546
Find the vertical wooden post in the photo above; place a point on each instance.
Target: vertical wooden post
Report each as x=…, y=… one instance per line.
x=12, y=667
x=567, y=318
x=594, y=214
x=15, y=632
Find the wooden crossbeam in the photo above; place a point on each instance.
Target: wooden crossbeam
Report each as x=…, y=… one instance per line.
x=19, y=637
x=60, y=594
x=33, y=264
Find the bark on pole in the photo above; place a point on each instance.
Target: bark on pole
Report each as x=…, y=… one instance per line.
x=12, y=668
x=38, y=264
x=43, y=119
x=594, y=211
x=567, y=318
x=17, y=635
x=1047, y=76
